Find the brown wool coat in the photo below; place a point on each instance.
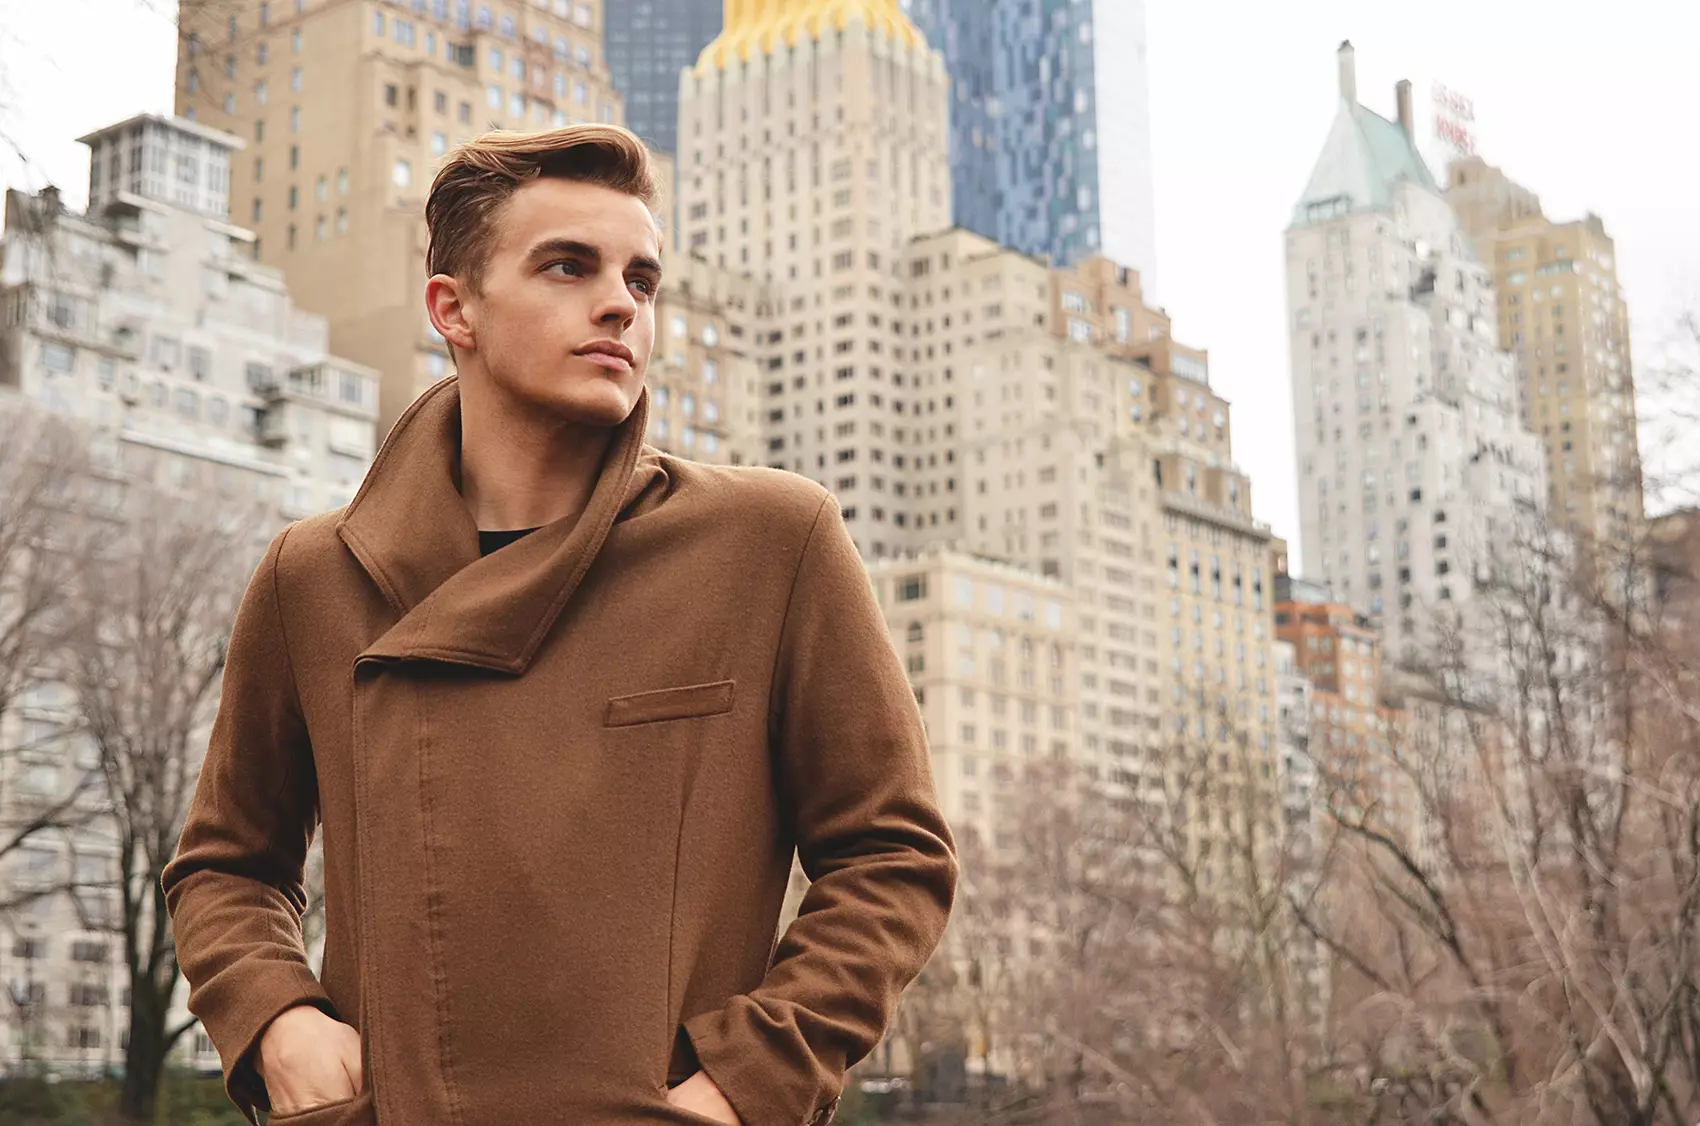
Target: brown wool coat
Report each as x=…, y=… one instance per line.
x=560, y=788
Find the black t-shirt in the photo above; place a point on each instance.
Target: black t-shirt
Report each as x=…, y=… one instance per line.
x=495, y=541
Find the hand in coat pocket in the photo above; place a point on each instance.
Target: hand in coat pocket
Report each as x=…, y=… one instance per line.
x=309, y=1060
x=701, y=1096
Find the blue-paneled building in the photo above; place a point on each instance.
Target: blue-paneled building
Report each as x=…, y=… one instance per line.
x=1050, y=124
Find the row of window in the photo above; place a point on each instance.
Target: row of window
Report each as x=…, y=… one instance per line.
x=81, y=950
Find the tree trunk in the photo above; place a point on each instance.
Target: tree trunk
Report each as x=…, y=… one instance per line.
x=144, y=1061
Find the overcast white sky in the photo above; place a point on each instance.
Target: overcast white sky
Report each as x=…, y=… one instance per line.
x=1591, y=105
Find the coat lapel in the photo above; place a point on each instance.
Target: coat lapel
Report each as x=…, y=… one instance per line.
x=414, y=536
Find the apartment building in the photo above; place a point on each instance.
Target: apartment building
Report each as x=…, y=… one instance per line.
x=146, y=321
x=1354, y=729
x=1416, y=474
x=148, y=318
x=704, y=375
x=1564, y=319
x=347, y=108
x=991, y=651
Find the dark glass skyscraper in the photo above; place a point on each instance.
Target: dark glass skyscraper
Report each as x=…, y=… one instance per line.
x=647, y=43
x=1050, y=124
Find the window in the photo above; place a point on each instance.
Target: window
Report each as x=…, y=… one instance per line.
x=402, y=174
x=912, y=589
x=390, y=94
x=58, y=357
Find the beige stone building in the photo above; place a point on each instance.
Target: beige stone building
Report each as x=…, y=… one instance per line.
x=704, y=379
x=1563, y=318
x=347, y=108
x=991, y=651
x=812, y=148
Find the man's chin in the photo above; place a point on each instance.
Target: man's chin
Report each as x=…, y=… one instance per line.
x=608, y=405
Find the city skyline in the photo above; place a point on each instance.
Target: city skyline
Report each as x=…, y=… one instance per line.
x=1236, y=122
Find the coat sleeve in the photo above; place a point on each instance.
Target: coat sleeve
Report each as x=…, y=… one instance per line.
x=236, y=888
x=856, y=781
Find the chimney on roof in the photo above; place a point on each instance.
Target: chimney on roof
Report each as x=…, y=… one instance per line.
x=1348, y=72
x=1402, y=93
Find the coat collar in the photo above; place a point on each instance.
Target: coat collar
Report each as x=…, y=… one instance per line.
x=412, y=532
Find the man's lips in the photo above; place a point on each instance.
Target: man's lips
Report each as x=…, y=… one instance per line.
x=607, y=360
x=609, y=354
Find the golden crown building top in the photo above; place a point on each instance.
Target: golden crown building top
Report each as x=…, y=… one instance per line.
x=755, y=27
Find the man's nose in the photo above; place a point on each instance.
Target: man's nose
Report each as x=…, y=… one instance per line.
x=616, y=305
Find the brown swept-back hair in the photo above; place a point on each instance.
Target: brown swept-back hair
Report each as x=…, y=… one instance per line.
x=483, y=174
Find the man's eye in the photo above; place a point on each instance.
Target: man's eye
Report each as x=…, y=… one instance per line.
x=569, y=268
x=643, y=285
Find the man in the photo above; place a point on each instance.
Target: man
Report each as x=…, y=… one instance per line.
x=563, y=705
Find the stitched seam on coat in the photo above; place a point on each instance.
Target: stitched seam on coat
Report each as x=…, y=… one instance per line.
x=282, y=629
x=363, y=859
x=386, y=585
x=289, y=666
x=433, y=910
x=670, y=1029
x=790, y=596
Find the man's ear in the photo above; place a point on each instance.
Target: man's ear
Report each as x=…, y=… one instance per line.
x=445, y=301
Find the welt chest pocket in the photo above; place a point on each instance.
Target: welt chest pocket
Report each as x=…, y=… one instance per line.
x=688, y=702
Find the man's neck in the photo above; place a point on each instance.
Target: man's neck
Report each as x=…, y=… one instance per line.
x=521, y=471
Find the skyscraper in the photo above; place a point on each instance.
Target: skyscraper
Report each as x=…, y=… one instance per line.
x=812, y=149
x=347, y=110
x=1051, y=125
x=1563, y=319
x=647, y=44
x=1413, y=464
x=959, y=395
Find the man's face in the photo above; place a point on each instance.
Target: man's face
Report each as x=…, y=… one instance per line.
x=565, y=317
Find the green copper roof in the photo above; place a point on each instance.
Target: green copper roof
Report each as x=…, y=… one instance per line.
x=1365, y=156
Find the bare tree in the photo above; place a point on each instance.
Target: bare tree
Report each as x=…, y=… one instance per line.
x=1528, y=951
x=1126, y=952
x=156, y=593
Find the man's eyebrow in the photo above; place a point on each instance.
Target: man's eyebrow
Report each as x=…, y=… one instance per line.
x=566, y=246
x=577, y=249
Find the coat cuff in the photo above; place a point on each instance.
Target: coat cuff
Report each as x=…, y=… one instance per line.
x=236, y=1016
x=764, y=1088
